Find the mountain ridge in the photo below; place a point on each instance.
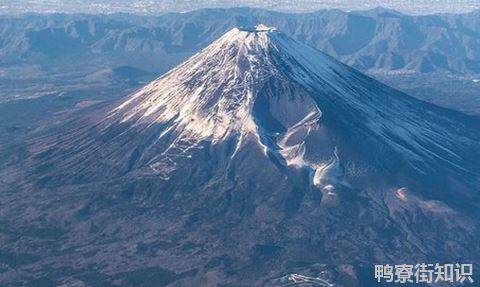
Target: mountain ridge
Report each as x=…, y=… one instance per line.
x=386, y=41
x=153, y=7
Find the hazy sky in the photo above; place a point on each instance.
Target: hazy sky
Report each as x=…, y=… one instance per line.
x=162, y=6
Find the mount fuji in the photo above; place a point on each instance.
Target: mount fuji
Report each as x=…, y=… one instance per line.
x=256, y=158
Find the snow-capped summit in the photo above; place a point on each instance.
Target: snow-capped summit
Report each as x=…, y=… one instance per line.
x=249, y=84
x=264, y=84
x=258, y=28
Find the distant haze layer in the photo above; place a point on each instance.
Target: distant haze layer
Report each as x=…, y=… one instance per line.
x=163, y=6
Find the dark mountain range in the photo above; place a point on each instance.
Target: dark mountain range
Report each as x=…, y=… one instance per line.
x=155, y=7
x=256, y=158
x=374, y=40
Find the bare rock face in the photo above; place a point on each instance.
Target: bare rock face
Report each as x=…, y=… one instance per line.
x=257, y=158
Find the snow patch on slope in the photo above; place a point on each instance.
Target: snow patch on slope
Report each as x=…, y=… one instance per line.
x=292, y=143
x=329, y=173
